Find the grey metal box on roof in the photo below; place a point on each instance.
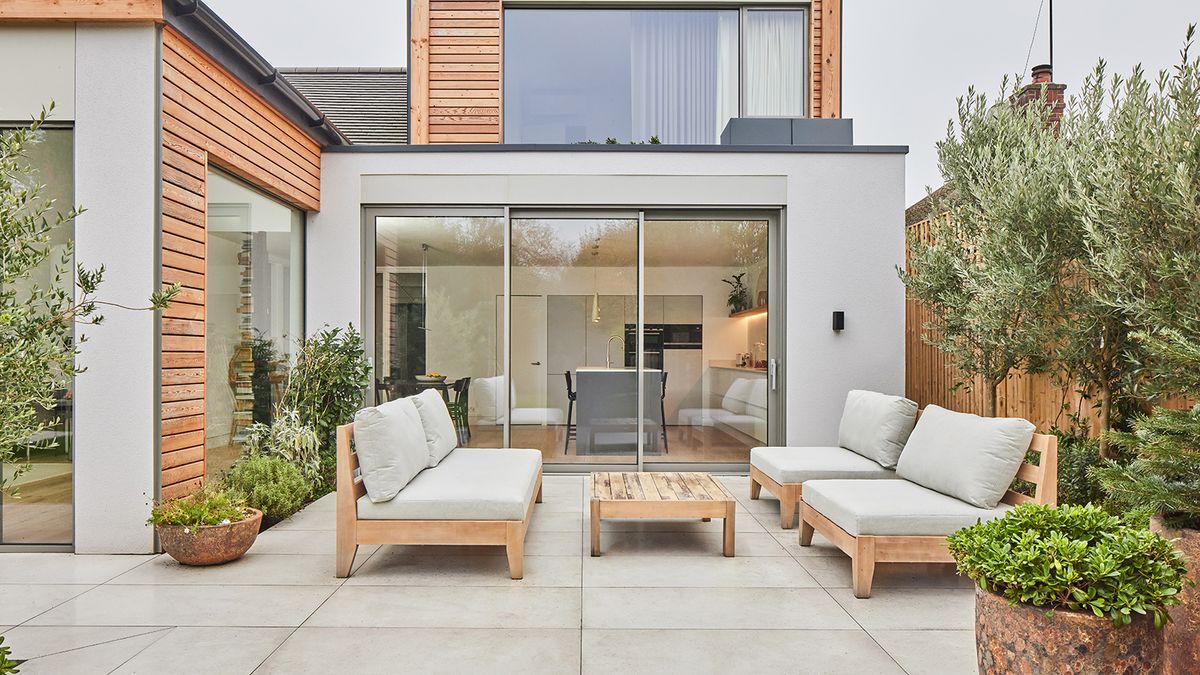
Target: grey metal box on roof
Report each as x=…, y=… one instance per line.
x=788, y=131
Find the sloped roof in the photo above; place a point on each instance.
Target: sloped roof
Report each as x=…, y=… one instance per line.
x=368, y=105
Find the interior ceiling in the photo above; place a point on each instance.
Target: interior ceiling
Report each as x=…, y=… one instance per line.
x=569, y=242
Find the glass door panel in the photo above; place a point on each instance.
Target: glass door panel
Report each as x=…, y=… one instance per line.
x=573, y=339
x=438, y=283
x=709, y=342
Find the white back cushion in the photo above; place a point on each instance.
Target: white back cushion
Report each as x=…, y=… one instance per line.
x=736, y=396
x=390, y=442
x=876, y=425
x=966, y=456
x=440, y=435
x=756, y=405
x=485, y=399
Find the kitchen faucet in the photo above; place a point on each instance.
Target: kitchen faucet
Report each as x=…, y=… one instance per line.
x=607, y=350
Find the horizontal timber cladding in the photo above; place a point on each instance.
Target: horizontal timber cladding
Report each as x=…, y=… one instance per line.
x=456, y=68
x=209, y=118
x=455, y=71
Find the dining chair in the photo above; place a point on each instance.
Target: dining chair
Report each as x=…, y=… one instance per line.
x=662, y=412
x=570, y=411
x=459, y=408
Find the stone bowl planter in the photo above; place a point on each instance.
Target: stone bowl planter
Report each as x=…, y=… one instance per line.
x=210, y=544
x=1022, y=639
x=1183, y=632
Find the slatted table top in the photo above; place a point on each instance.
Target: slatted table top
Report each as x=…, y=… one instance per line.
x=658, y=487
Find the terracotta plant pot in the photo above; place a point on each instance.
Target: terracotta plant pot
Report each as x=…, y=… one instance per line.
x=1022, y=639
x=210, y=544
x=1183, y=633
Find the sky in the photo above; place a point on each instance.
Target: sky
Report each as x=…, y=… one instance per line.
x=904, y=61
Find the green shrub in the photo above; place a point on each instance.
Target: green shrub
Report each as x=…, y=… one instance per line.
x=1164, y=477
x=206, y=506
x=270, y=484
x=1077, y=455
x=7, y=665
x=1072, y=557
x=325, y=388
x=288, y=438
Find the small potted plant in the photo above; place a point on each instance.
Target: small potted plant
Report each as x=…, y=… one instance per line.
x=207, y=527
x=1068, y=585
x=739, y=295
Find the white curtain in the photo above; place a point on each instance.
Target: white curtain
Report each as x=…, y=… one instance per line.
x=775, y=56
x=683, y=74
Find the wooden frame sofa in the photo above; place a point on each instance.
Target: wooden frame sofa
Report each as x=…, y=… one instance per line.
x=871, y=435
x=900, y=521
x=506, y=470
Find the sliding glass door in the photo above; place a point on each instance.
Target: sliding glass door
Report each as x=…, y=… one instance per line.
x=630, y=338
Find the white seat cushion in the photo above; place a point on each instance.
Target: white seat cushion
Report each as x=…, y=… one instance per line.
x=966, y=456
x=469, y=484
x=796, y=465
x=876, y=425
x=893, y=507
x=441, y=437
x=537, y=416
x=390, y=443
x=697, y=417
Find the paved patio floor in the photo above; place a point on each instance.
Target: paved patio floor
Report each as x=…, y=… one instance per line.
x=661, y=599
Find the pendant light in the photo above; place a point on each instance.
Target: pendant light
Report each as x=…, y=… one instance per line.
x=595, y=285
x=425, y=285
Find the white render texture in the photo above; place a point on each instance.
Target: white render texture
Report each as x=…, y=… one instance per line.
x=37, y=66
x=843, y=223
x=116, y=178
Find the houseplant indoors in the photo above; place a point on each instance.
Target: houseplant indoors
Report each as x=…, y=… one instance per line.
x=207, y=527
x=1068, y=585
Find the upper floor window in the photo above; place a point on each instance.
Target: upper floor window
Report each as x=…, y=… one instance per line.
x=574, y=75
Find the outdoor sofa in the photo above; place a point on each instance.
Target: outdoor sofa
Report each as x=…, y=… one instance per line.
x=872, y=432
x=955, y=470
x=402, y=479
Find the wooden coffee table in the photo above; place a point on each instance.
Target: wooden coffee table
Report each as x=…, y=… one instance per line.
x=660, y=496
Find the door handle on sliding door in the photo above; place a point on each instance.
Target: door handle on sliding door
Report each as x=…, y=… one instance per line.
x=773, y=374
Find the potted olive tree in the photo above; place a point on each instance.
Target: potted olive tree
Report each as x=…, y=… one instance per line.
x=1163, y=480
x=207, y=527
x=1071, y=584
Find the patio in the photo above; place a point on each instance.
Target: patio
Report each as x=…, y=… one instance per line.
x=660, y=599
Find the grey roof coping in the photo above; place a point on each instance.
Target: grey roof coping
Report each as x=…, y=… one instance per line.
x=601, y=147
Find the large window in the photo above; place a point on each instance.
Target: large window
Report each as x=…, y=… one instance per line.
x=577, y=75
x=254, y=314
x=42, y=512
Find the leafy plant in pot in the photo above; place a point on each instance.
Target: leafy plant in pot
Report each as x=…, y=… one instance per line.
x=739, y=295
x=1164, y=482
x=207, y=527
x=1070, y=584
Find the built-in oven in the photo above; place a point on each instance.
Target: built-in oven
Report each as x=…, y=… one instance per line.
x=660, y=337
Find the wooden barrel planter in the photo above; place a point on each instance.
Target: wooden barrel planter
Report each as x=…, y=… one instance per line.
x=1183, y=632
x=1022, y=639
x=210, y=544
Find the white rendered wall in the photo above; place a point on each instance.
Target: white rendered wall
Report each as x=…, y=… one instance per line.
x=37, y=66
x=116, y=179
x=844, y=231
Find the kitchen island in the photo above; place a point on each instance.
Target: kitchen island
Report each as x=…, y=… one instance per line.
x=606, y=411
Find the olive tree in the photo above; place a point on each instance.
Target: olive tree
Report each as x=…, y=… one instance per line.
x=990, y=268
x=38, y=344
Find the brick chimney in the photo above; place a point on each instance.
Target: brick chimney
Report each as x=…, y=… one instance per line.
x=1053, y=96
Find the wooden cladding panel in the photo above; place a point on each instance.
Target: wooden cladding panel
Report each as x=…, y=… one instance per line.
x=207, y=107
x=209, y=117
x=81, y=10
x=825, y=80
x=456, y=71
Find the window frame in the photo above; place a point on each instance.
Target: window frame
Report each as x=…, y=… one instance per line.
x=743, y=10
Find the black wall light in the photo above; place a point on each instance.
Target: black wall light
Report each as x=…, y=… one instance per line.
x=839, y=321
